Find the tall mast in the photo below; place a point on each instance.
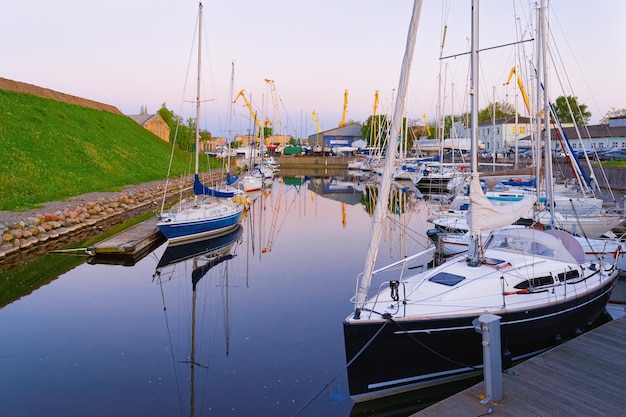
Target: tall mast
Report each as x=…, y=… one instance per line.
x=380, y=212
x=546, y=111
x=230, y=119
x=473, y=252
x=198, y=88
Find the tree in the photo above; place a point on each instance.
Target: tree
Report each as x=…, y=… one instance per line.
x=580, y=113
x=183, y=134
x=502, y=110
x=613, y=112
x=374, y=130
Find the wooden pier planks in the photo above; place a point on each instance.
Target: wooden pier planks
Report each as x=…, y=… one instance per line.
x=131, y=244
x=583, y=377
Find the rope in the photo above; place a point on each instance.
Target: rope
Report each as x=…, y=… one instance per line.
x=365, y=346
x=429, y=349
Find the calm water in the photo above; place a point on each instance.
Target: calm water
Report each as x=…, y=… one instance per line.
x=106, y=340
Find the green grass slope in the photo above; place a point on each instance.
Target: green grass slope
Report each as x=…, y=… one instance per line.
x=51, y=150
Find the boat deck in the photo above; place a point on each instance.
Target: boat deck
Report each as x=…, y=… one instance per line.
x=583, y=377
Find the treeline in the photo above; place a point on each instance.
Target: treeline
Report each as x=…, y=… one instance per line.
x=182, y=132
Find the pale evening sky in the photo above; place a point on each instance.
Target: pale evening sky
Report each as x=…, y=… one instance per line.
x=130, y=53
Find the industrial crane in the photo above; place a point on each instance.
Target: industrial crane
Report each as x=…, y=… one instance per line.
x=345, y=109
x=374, y=120
x=252, y=113
x=314, y=116
x=277, y=124
x=521, y=87
x=267, y=123
x=426, y=123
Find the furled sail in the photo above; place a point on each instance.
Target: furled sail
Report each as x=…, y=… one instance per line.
x=201, y=189
x=483, y=216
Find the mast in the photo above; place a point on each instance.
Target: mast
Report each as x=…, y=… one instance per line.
x=546, y=112
x=473, y=255
x=380, y=212
x=198, y=88
x=230, y=119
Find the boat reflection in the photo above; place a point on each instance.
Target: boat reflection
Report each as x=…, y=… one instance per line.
x=204, y=255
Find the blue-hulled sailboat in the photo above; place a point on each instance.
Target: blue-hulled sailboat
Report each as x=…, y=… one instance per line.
x=210, y=212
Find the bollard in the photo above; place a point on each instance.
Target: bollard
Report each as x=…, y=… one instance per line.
x=489, y=326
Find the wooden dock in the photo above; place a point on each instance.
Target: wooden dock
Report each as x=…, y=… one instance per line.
x=583, y=377
x=128, y=246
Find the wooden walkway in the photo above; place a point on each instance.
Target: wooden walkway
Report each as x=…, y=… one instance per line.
x=583, y=377
x=128, y=246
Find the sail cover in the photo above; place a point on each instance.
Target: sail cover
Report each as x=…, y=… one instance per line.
x=483, y=216
x=201, y=189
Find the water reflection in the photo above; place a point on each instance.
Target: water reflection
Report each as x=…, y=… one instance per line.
x=267, y=338
x=203, y=255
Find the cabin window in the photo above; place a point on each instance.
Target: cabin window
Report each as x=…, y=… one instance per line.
x=569, y=275
x=446, y=278
x=535, y=282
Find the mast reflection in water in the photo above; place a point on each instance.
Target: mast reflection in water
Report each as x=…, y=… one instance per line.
x=116, y=340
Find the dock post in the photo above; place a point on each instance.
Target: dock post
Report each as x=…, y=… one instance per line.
x=489, y=326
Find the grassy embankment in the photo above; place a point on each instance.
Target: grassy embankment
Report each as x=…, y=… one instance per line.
x=51, y=151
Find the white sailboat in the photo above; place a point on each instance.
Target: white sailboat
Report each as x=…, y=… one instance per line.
x=209, y=212
x=416, y=331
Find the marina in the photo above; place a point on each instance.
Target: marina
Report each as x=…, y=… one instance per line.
x=374, y=268
x=129, y=326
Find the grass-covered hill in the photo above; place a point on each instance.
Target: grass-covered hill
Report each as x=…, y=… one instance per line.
x=52, y=150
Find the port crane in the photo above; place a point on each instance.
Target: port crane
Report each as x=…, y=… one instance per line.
x=317, y=124
x=267, y=123
x=426, y=124
x=247, y=103
x=345, y=109
x=521, y=88
x=278, y=128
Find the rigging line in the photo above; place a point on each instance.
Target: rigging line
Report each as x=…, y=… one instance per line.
x=413, y=238
x=553, y=18
x=169, y=338
x=580, y=114
x=430, y=349
x=365, y=346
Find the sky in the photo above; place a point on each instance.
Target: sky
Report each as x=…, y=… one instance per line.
x=134, y=53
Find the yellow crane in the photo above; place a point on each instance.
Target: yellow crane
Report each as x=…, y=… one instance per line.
x=374, y=119
x=277, y=123
x=345, y=109
x=252, y=113
x=267, y=122
x=426, y=123
x=521, y=87
x=317, y=124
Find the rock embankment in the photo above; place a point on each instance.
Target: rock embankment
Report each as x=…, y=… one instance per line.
x=61, y=223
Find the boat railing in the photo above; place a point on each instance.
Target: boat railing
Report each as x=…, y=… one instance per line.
x=403, y=265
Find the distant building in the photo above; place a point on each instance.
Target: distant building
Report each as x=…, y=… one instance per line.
x=153, y=122
x=498, y=135
x=503, y=134
x=338, y=137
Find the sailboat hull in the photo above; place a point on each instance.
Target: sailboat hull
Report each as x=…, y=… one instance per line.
x=417, y=353
x=181, y=226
